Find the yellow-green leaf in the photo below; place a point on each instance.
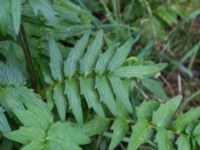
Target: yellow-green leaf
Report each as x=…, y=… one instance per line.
x=141, y=133
x=120, y=128
x=163, y=116
x=185, y=119
x=164, y=139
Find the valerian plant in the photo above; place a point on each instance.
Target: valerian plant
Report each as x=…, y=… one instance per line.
x=79, y=91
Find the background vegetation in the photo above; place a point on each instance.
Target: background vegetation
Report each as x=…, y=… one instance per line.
x=104, y=74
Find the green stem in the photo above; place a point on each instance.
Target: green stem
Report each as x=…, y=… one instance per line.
x=27, y=54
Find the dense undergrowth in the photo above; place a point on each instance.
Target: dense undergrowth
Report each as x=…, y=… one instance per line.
x=104, y=74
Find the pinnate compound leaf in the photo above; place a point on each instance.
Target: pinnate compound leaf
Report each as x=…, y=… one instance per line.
x=163, y=116
x=106, y=94
x=91, y=96
x=71, y=64
x=138, y=71
x=72, y=92
x=16, y=14
x=145, y=110
x=155, y=87
x=95, y=126
x=119, y=57
x=55, y=59
x=141, y=133
x=60, y=100
x=26, y=134
x=120, y=91
x=89, y=59
x=183, y=142
x=120, y=128
x=164, y=139
x=184, y=119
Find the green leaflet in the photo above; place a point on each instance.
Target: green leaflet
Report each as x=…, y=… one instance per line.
x=190, y=127
x=4, y=16
x=138, y=71
x=67, y=14
x=58, y=143
x=62, y=131
x=33, y=117
x=49, y=97
x=121, y=54
x=27, y=97
x=10, y=75
x=4, y=126
x=145, y=110
x=153, y=27
x=71, y=64
x=33, y=146
x=45, y=119
x=46, y=10
x=141, y=133
x=163, y=116
x=16, y=14
x=26, y=134
x=104, y=60
x=121, y=109
x=60, y=101
x=18, y=97
x=167, y=14
x=85, y=16
x=164, y=139
x=155, y=87
x=72, y=92
x=106, y=94
x=46, y=73
x=183, y=142
x=144, y=53
x=91, y=96
x=196, y=131
x=62, y=32
x=120, y=91
x=89, y=59
x=184, y=119
x=120, y=128
x=55, y=60
x=95, y=126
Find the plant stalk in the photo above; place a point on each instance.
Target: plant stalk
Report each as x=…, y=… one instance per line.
x=28, y=58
